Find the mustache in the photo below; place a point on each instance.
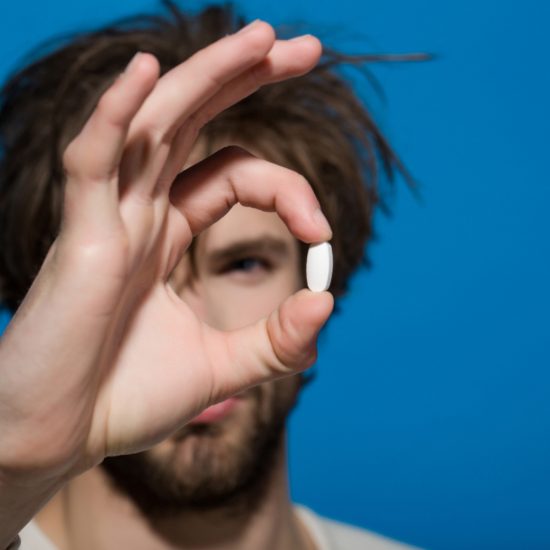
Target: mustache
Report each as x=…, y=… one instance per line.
x=213, y=429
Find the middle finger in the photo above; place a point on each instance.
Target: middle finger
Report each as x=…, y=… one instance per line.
x=287, y=59
x=180, y=93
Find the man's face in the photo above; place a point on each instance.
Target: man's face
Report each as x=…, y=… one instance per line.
x=246, y=264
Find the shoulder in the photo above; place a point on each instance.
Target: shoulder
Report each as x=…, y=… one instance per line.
x=329, y=534
x=32, y=538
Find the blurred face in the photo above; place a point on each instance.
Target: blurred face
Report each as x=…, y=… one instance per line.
x=245, y=266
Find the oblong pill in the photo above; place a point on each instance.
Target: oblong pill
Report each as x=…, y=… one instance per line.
x=319, y=267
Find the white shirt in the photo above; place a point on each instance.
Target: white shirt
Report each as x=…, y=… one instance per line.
x=327, y=534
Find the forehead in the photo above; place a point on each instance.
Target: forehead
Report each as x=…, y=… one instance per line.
x=242, y=223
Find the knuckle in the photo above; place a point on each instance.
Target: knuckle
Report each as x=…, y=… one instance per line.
x=236, y=160
x=105, y=104
x=198, y=120
x=301, y=180
x=214, y=81
x=202, y=58
x=304, y=187
x=235, y=152
x=108, y=107
x=255, y=77
x=153, y=133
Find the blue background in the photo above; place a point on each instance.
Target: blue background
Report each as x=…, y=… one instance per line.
x=430, y=417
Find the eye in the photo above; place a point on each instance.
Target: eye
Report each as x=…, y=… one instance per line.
x=245, y=265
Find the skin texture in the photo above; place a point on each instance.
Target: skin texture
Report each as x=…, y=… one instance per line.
x=101, y=312
x=246, y=265
x=210, y=485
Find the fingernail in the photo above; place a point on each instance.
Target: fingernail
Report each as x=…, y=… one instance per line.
x=322, y=222
x=249, y=27
x=133, y=63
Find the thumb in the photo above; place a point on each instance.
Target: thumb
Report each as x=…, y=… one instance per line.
x=285, y=343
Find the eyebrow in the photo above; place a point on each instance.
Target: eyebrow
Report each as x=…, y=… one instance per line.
x=245, y=247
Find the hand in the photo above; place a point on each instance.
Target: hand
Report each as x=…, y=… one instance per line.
x=102, y=357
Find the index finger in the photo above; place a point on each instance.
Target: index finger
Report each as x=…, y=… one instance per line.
x=207, y=191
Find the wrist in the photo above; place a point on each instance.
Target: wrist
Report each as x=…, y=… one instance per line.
x=20, y=501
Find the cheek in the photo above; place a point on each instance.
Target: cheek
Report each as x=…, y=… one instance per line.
x=286, y=391
x=277, y=398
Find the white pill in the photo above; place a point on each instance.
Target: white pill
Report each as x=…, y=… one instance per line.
x=319, y=267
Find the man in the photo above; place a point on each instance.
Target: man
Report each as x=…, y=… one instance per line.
x=136, y=328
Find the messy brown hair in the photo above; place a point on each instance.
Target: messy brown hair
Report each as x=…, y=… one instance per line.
x=314, y=124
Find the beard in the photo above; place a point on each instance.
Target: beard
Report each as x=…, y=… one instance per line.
x=212, y=466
